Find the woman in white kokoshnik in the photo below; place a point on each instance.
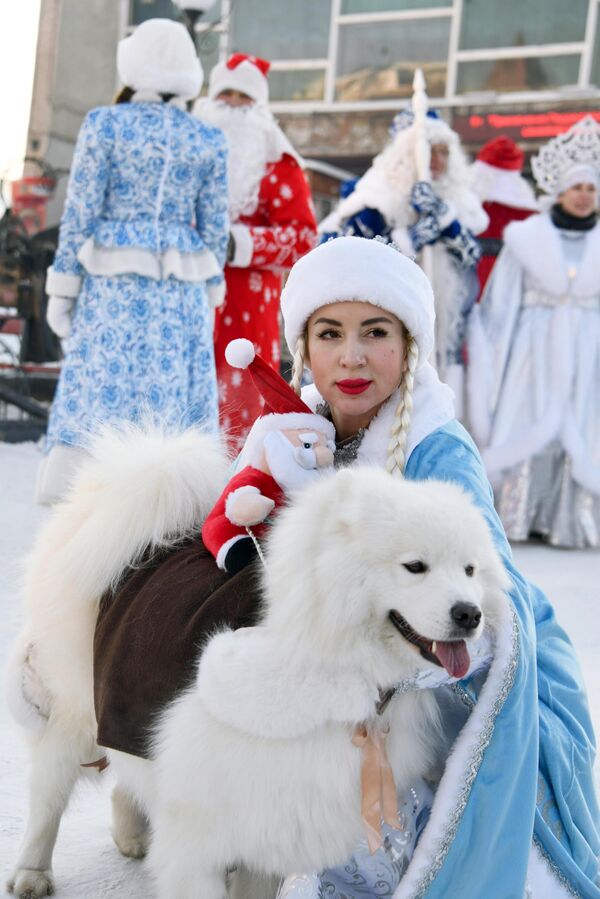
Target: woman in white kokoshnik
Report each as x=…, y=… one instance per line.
x=514, y=812
x=534, y=350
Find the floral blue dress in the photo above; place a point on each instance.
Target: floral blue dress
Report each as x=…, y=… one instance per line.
x=142, y=247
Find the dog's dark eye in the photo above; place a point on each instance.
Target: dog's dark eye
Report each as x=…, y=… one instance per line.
x=469, y=571
x=415, y=567
x=307, y=445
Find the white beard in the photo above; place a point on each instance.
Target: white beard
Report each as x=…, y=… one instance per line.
x=283, y=465
x=249, y=132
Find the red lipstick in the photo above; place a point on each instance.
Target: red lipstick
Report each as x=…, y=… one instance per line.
x=353, y=386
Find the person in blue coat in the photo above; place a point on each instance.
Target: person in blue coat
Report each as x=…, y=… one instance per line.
x=513, y=811
x=139, y=264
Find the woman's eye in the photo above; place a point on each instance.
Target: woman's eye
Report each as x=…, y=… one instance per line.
x=328, y=334
x=469, y=570
x=415, y=567
x=378, y=332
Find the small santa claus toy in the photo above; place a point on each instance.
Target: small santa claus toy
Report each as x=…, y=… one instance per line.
x=288, y=447
x=505, y=194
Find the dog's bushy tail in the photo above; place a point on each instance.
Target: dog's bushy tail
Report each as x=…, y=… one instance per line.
x=140, y=490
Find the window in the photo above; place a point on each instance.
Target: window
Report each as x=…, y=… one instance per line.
x=294, y=29
x=595, y=72
x=140, y=10
x=377, y=60
x=516, y=23
x=523, y=74
x=304, y=85
x=153, y=9
x=361, y=6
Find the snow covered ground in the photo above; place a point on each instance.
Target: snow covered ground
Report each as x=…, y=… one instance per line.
x=86, y=863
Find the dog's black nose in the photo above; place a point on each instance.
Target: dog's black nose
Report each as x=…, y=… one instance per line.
x=466, y=615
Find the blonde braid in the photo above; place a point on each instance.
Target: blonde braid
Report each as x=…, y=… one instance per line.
x=298, y=365
x=397, y=445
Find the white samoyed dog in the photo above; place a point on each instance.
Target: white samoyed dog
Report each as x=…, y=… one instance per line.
x=368, y=579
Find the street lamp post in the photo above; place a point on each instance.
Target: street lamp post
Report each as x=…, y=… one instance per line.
x=193, y=10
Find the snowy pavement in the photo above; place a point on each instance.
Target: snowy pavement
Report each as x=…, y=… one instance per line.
x=86, y=863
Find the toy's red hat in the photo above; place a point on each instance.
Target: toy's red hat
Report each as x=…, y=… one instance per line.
x=279, y=397
x=502, y=153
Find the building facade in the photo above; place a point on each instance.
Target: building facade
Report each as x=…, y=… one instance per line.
x=341, y=68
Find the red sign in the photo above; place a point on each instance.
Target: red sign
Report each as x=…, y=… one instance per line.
x=519, y=126
x=30, y=196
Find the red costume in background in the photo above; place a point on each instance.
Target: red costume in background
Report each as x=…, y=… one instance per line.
x=505, y=194
x=282, y=229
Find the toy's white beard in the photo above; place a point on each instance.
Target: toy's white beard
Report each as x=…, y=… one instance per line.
x=248, y=130
x=281, y=459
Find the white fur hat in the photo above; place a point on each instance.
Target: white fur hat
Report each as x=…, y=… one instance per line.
x=247, y=74
x=160, y=57
x=355, y=268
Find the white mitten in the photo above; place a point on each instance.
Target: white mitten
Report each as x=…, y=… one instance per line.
x=59, y=314
x=249, y=508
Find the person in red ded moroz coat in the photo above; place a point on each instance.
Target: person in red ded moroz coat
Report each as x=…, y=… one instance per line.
x=273, y=225
x=505, y=194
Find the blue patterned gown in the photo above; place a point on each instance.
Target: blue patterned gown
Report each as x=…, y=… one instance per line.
x=145, y=229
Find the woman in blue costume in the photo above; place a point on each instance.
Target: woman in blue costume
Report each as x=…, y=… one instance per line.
x=513, y=812
x=140, y=259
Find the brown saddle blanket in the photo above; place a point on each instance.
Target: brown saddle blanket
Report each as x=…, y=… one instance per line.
x=150, y=633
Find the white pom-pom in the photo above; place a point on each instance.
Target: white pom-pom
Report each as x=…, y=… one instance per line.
x=240, y=353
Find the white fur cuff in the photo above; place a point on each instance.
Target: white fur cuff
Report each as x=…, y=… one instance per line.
x=61, y=284
x=244, y=248
x=448, y=217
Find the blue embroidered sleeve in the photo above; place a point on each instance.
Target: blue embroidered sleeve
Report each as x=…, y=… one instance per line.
x=86, y=191
x=212, y=216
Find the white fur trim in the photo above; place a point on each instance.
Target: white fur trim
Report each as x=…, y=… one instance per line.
x=241, y=491
x=536, y=244
x=61, y=284
x=244, y=247
x=252, y=451
x=160, y=57
x=222, y=554
x=153, y=97
x=240, y=353
x=216, y=294
x=541, y=880
x=109, y=261
x=433, y=407
x=352, y=268
x=504, y=186
x=246, y=78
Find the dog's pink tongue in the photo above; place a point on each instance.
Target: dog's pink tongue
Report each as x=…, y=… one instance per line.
x=454, y=656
